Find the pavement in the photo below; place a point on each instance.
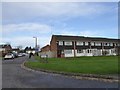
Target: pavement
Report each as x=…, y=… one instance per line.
x=13, y=76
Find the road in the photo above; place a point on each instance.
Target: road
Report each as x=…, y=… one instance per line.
x=13, y=76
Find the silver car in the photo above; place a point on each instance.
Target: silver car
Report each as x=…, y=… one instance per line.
x=9, y=56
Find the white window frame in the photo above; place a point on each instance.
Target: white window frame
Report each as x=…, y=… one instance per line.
x=79, y=43
x=111, y=44
x=97, y=44
x=68, y=51
x=60, y=43
x=86, y=43
x=66, y=43
x=105, y=44
x=79, y=51
x=92, y=43
x=118, y=44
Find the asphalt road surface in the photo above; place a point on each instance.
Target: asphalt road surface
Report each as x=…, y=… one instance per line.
x=13, y=76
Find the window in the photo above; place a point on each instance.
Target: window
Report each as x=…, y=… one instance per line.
x=112, y=51
x=79, y=51
x=60, y=42
x=88, y=51
x=92, y=43
x=116, y=44
x=86, y=43
x=111, y=44
x=68, y=51
x=106, y=44
x=97, y=44
x=79, y=43
x=68, y=43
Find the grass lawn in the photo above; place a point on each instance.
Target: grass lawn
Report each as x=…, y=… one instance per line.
x=87, y=65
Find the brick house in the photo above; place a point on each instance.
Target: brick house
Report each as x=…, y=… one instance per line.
x=46, y=50
x=16, y=50
x=4, y=49
x=75, y=46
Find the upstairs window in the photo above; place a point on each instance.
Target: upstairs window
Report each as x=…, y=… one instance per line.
x=92, y=43
x=68, y=43
x=97, y=44
x=106, y=44
x=60, y=42
x=86, y=43
x=116, y=44
x=111, y=44
x=79, y=43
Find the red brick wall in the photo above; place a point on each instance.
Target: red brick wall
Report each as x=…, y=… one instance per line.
x=53, y=45
x=46, y=48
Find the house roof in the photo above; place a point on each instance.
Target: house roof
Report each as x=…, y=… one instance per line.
x=67, y=37
x=15, y=49
x=5, y=45
x=45, y=46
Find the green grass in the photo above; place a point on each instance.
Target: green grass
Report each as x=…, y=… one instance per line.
x=85, y=65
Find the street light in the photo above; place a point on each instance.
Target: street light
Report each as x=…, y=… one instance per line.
x=35, y=42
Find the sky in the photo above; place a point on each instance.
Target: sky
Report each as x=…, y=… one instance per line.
x=21, y=21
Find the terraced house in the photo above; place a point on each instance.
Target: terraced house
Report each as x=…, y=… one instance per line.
x=75, y=46
x=4, y=49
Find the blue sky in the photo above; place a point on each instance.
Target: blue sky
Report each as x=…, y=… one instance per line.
x=22, y=21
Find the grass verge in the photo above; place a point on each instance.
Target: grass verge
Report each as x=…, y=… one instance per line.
x=101, y=65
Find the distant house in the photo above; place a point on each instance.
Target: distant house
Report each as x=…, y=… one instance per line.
x=4, y=49
x=75, y=46
x=16, y=50
x=46, y=50
x=32, y=50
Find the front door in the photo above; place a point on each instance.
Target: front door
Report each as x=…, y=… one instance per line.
x=59, y=53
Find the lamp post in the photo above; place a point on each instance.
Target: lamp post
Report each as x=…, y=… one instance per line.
x=35, y=42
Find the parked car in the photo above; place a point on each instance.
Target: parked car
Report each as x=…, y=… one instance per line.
x=20, y=55
x=9, y=56
x=15, y=54
x=24, y=54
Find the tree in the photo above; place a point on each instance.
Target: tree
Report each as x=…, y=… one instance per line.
x=25, y=49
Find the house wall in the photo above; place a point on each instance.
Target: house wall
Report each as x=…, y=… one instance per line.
x=46, y=48
x=96, y=46
x=69, y=55
x=48, y=53
x=94, y=50
x=53, y=45
x=78, y=54
x=4, y=49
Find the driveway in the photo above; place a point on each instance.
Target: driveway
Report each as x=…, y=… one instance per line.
x=16, y=77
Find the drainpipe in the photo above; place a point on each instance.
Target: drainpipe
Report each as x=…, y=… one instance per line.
x=102, y=47
x=74, y=49
x=90, y=47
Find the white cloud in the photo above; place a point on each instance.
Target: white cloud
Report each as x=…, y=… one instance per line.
x=60, y=0
x=22, y=34
x=26, y=27
x=23, y=11
x=27, y=41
